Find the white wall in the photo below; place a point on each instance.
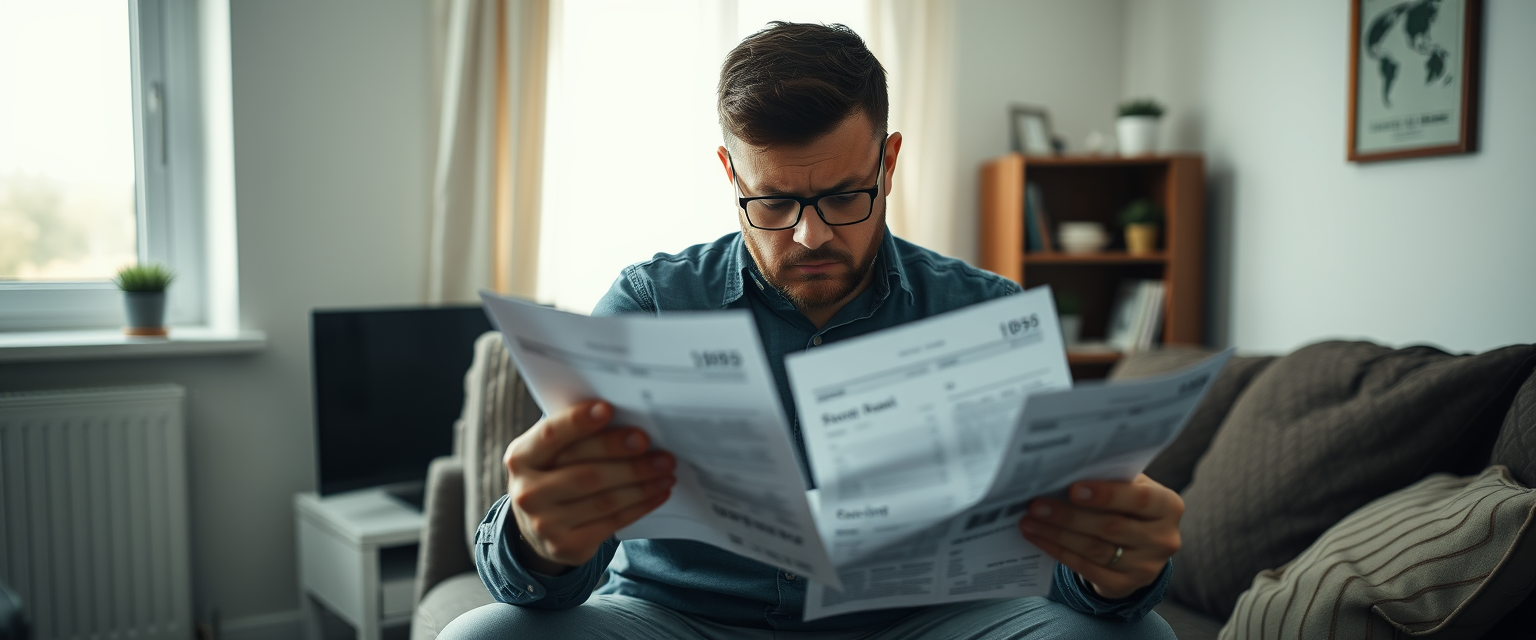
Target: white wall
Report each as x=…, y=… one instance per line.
x=1064, y=56
x=333, y=154
x=1309, y=246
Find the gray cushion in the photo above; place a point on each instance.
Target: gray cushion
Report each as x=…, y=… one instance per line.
x=1448, y=556
x=1516, y=447
x=443, y=553
x=1318, y=434
x=450, y=599
x=497, y=408
x=1175, y=465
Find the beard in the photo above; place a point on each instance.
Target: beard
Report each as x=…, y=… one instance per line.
x=816, y=290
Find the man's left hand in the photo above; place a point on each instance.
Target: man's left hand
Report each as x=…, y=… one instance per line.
x=1116, y=535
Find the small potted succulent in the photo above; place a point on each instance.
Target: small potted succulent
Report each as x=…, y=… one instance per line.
x=1137, y=126
x=1141, y=218
x=143, y=288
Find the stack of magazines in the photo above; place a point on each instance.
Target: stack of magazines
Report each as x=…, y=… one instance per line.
x=1137, y=316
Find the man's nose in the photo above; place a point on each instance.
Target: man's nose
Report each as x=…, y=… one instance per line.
x=812, y=232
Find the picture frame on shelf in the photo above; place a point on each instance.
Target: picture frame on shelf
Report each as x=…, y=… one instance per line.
x=1413, y=80
x=1029, y=128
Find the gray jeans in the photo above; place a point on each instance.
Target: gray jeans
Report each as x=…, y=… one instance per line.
x=627, y=618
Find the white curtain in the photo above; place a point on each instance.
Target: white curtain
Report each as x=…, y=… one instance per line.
x=914, y=40
x=630, y=166
x=485, y=192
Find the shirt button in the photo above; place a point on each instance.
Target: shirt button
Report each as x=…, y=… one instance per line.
x=789, y=576
x=816, y=341
x=530, y=588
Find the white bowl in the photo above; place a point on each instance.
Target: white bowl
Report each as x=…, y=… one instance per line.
x=1082, y=237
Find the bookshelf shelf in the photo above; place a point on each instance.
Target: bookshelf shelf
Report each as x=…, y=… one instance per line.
x=1108, y=257
x=1092, y=358
x=1090, y=188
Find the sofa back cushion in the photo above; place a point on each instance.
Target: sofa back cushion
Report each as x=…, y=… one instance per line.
x=1516, y=447
x=1320, y=433
x=1447, y=556
x=497, y=408
x=1175, y=465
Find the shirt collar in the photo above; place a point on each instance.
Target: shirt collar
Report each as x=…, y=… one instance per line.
x=745, y=270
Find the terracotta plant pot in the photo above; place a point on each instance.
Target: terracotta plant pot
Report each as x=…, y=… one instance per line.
x=146, y=313
x=1140, y=239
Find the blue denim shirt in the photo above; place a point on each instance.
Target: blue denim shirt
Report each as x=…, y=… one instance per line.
x=910, y=283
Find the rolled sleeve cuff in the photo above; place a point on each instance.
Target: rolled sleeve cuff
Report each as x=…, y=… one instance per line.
x=511, y=583
x=1071, y=590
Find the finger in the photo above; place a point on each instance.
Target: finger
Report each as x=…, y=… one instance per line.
x=584, y=480
x=602, y=528
x=1094, y=549
x=1108, y=526
x=1111, y=582
x=612, y=443
x=607, y=503
x=537, y=447
x=1141, y=498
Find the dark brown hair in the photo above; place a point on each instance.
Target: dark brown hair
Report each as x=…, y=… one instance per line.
x=792, y=83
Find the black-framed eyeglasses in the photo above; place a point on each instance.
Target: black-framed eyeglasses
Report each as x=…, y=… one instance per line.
x=777, y=213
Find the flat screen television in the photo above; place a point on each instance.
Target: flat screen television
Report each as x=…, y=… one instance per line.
x=389, y=384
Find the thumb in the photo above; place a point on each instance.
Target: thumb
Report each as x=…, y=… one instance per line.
x=542, y=443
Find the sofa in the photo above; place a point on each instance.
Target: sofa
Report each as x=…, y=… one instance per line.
x=1344, y=490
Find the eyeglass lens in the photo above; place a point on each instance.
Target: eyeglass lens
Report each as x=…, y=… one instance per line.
x=842, y=208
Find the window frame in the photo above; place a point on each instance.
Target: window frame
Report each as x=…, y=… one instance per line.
x=168, y=136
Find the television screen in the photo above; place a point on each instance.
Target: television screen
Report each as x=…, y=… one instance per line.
x=389, y=384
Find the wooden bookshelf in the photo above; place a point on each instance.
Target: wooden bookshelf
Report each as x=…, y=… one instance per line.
x=1088, y=188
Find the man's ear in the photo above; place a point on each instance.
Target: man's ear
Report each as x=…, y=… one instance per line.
x=725, y=162
x=892, y=149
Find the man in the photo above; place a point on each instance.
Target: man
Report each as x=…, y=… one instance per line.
x=803, y=111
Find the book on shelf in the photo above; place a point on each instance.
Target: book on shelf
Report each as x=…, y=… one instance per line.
x=1137, y=315
x=1037, y=223
x=1031, y=227
x=1152, y=323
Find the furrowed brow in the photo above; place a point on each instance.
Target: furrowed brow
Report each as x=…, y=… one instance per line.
x=846, y=184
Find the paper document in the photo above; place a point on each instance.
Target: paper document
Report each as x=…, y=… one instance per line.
x=927, y=440
x=1098, y=432
x=700, y=386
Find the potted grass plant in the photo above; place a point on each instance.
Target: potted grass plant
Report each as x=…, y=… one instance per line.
x=1137, y=126
x=144, y=288
x=1069, y=312
x=1141, y=219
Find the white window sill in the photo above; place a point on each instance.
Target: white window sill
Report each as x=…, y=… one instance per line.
x=37, y=346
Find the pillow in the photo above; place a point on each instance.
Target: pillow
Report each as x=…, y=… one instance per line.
x=497, y=408
x=1173, y=467
x=1516, y=447
x=1447, y=556
x=1318, y=434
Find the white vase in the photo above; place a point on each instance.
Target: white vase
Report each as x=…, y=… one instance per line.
x=1137, y=134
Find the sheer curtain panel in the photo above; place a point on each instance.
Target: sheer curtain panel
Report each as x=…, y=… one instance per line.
x=914, y=40
x=486, y=199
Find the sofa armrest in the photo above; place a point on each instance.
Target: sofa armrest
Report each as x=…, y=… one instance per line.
x=444, y=552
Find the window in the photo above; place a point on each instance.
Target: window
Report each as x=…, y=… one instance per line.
x=632, y=111
x=100, y=158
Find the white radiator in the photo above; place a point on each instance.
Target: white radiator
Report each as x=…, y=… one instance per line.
x=93, y=512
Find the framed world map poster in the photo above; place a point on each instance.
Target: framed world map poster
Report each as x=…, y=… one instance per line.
x=1413, y=78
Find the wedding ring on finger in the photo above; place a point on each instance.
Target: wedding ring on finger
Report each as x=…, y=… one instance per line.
x=1118, y=552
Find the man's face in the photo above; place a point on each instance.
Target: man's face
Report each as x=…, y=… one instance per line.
x=819, y=267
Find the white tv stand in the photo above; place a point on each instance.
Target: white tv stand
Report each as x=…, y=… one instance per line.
x=357, y=559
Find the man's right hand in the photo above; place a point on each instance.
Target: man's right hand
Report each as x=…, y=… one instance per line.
x=573, y=482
